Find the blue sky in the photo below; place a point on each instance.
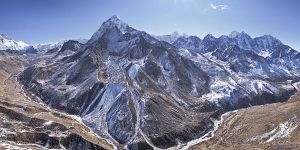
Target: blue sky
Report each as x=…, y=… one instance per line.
x=42, y=21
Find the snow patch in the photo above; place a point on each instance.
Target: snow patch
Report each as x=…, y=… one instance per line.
x=4, y=132
x=284, y=130
x=296, y=85
x=220, y=89
x=77, y=118
x=133, y=70
x=265, y=53
x=48, y=123
x=266, y=87
x=17, y=146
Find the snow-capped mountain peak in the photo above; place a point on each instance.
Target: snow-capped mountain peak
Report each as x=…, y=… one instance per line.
x=209, y=37
x=43, y=47
x=171, y=38
x=262, y=45
x=236, y=34
x=117, y=22
x=8, y=43
x=112, y=22
x=47, y=46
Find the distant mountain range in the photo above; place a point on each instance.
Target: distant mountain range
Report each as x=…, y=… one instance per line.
x=142, y=92
x=49, y=46
x=7, y=43
x=170, y=38
x=241, y=39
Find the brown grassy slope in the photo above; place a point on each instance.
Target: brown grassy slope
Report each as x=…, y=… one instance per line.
x=12, y=99
x=249, y=128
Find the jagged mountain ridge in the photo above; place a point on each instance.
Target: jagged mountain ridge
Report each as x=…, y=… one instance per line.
x=19, y=47
x=137, y=91
x=282, y=59
x=240, y=39
x=55, y=45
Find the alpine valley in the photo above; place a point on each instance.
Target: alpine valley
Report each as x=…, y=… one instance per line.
x=127, y=89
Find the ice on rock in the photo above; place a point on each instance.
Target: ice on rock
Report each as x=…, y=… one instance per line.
x=133, y=70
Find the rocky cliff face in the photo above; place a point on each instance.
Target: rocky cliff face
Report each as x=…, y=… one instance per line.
x=141, y=93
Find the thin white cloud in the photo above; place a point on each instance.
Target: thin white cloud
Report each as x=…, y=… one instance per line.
x=219, y=7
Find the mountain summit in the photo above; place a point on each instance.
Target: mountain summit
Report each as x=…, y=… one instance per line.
x=112, y=22
x=7, y=43
x=236, y=34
